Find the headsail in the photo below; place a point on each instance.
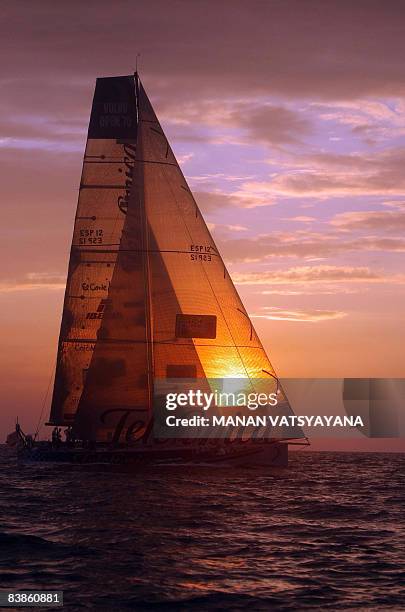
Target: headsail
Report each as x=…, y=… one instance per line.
x=207, y=318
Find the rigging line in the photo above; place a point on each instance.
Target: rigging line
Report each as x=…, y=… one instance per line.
x=44, y=402
x=149, y=310
x=210, y=345
x=85, y=297
x=149, y=161
x=275, y=378
x=107, y=159
x=204, y=270
x=165, y=342
x=250, y=322
x=97, y=250
x=99, y=218
x=106, y=186
x=118, y=161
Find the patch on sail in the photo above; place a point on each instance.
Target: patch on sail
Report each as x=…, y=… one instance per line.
x=105, y=370
x=181, y=371
x=112, y=114
x=196, y=326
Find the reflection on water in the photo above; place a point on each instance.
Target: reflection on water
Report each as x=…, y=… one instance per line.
x=328, y=532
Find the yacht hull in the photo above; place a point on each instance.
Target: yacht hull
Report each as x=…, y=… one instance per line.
x=263, y=453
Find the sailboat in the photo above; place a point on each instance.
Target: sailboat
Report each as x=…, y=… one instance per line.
x=148, y=298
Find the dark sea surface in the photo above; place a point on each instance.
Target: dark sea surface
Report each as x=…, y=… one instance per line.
x=327, y=533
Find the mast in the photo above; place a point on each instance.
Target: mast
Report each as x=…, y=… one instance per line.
x=145, y=249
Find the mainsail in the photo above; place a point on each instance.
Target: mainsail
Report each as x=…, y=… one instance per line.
x=148, y=295
x=105, y=189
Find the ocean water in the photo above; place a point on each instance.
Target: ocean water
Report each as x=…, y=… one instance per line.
x=327, y=533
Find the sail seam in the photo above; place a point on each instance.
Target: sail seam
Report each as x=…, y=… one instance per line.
x=126, y=341
x=96, y=250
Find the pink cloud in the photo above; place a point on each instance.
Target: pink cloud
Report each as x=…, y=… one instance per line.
x=302, y=316
x=311, y=274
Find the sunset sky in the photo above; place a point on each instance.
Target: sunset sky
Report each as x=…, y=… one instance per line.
x=288, y=119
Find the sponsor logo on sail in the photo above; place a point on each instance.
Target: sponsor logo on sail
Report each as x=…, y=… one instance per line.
x=95, y=287
x=99, y=312
x=200, y=252
x=129, y=162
